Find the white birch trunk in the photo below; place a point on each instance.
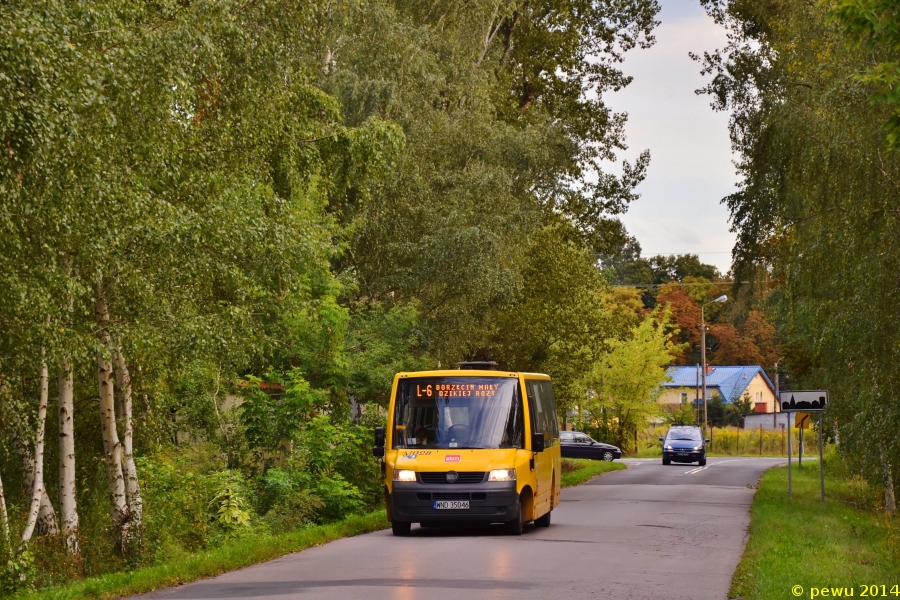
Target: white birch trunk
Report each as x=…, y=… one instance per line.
x=38, y=484
x=132, y=486
x=46, y=520
x=46, y=524
x=112, y=448
x=3, y=516
x=68, y=507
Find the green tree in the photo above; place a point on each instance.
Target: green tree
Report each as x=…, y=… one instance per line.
x=501, y=107
x=624, y=384
x=738, y=409
x=815, y=212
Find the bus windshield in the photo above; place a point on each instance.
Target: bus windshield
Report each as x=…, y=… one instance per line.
x=458, y=412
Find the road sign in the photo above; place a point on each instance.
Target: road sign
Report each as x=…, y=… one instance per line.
x=805, y=401
x=801, y=403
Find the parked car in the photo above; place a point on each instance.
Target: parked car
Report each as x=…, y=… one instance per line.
x=684, y=443
x=575, y=444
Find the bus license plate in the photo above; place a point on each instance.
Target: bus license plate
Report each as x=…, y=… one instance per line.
x=451, y=504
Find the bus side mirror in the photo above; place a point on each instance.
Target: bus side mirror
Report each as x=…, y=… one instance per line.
x=378, y=448
x=537, y=442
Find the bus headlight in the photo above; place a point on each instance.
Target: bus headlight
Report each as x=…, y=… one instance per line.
x=502, y=475
x=404, y=475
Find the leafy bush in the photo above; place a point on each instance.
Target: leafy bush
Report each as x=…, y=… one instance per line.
x=288, y=504
x=18, y=575
x=329, y=474
x=339, y=497
x=229, y=501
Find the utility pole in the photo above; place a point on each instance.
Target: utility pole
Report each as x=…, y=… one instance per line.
x=703, y=367
x=697, y=395
x=777, y=402
x=722, y=298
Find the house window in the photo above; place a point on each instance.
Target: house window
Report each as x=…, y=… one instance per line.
x=684, y=397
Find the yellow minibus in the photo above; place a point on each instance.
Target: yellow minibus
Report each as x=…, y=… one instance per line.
x=472, y=445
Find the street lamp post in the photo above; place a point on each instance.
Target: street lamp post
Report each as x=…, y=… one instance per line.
x=722, y=298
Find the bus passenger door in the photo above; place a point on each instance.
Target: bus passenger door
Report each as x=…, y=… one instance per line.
x=541, y=422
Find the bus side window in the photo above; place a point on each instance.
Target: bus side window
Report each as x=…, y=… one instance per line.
x=543, y=409
x=548, y=400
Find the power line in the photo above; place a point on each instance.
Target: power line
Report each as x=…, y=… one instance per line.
x=683, y=253
x=640, y=285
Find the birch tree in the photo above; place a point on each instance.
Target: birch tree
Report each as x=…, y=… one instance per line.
x=112, y=448
x=4, y=517
x=38, y=491
x=46, y=519
x=129, y=469
x=68, y=507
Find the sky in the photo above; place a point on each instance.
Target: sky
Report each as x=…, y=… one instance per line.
x=691, y=169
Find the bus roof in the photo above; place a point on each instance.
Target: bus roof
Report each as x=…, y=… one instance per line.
x=471, y=373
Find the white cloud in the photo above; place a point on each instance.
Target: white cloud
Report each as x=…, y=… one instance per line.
x=690, y=169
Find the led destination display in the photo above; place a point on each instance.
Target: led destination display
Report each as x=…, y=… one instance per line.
x=457, y=390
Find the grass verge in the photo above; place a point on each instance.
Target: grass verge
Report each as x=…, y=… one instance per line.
x=235, y=555
x=585, y=469
x=844, y=543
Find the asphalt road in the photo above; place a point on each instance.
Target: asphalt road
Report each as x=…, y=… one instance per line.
x=648, y=532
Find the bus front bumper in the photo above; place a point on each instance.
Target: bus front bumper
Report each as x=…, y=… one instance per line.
x=494, y=502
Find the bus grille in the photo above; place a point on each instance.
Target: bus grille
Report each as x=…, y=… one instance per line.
x=441, y=477
x=450, y=496
x=475, y=510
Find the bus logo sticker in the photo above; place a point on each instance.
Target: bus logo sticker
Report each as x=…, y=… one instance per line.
x=452, y=458
x=411, y=454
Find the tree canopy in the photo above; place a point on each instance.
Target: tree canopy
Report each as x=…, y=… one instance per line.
x=810, y=89
x=225, y=226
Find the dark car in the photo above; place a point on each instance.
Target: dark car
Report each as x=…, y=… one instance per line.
x=575, y=444
x=685, y=444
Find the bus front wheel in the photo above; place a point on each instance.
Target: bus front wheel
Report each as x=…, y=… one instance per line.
x=514, y=527
x=400, y=528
